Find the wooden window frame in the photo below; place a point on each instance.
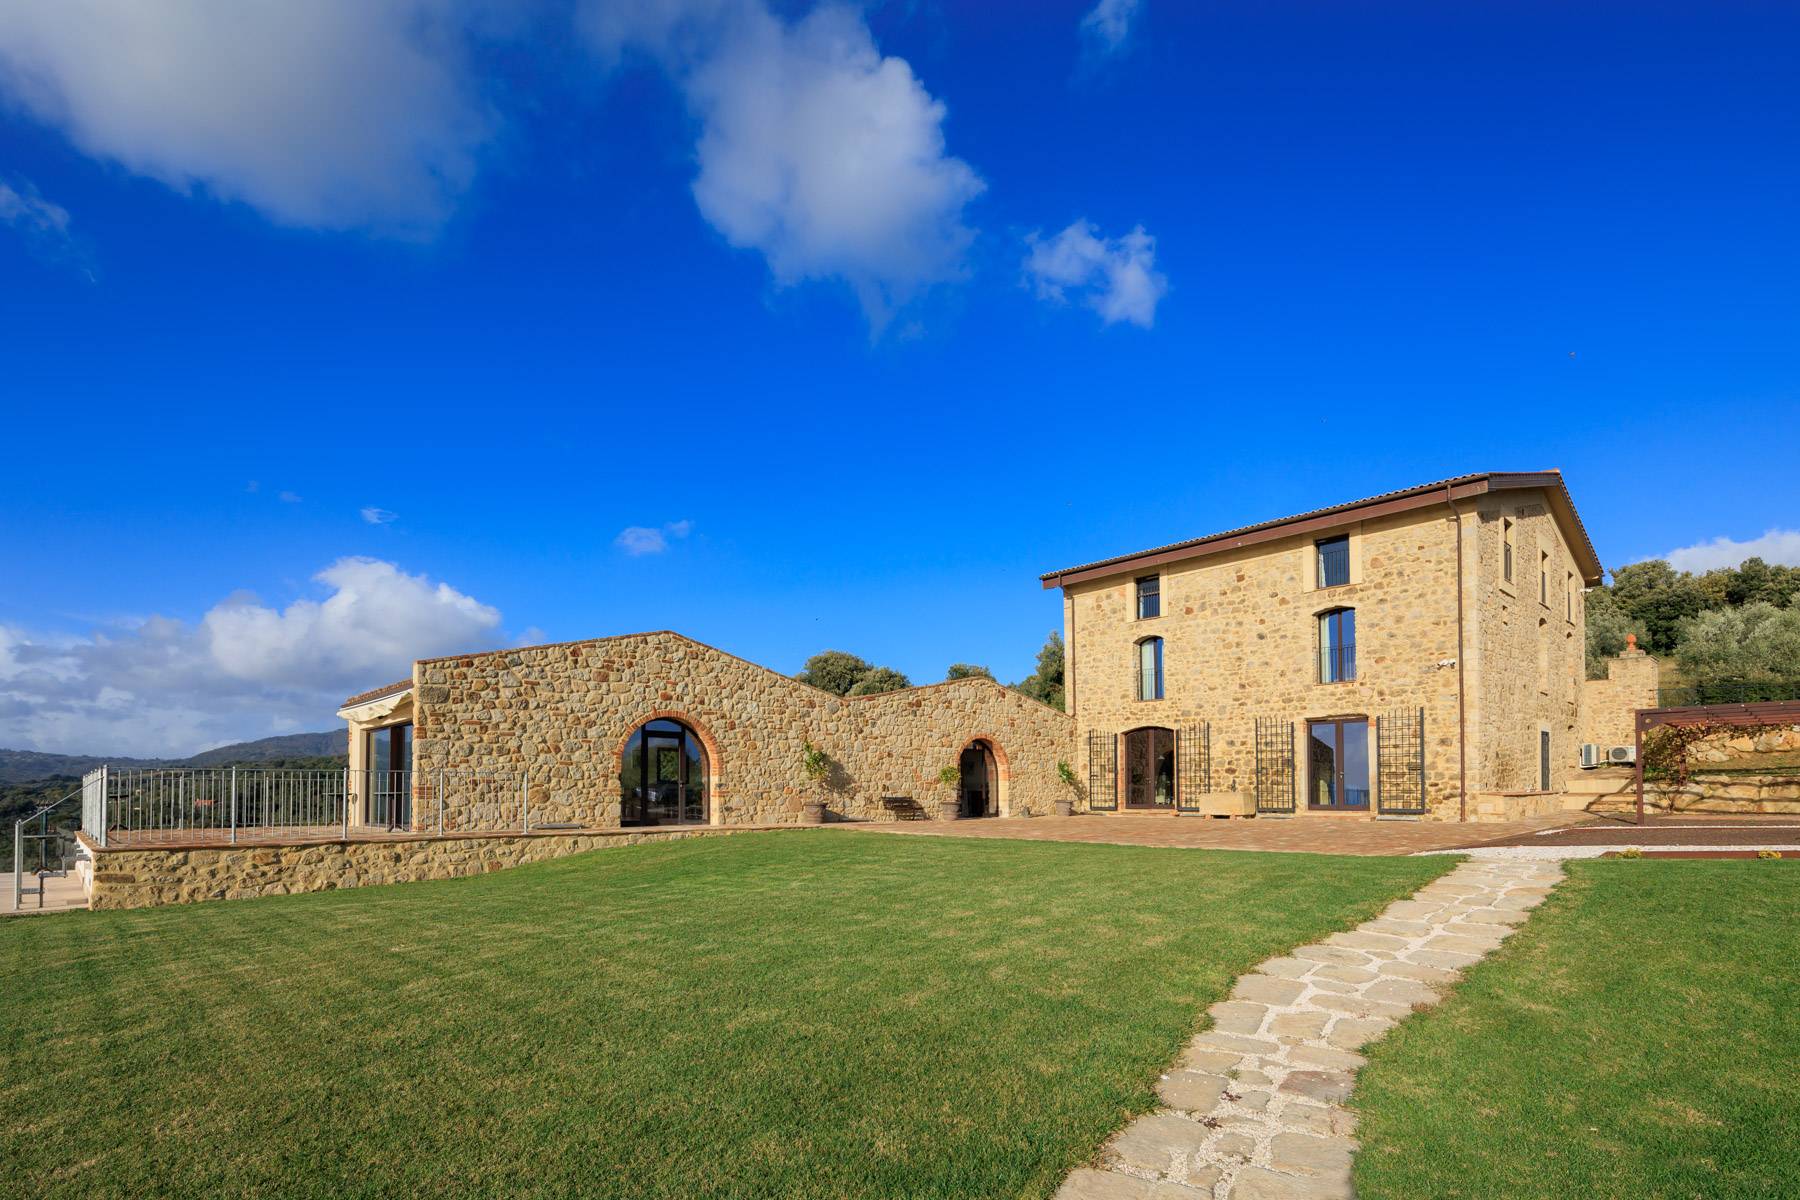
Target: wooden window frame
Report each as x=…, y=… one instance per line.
x=1137, y=650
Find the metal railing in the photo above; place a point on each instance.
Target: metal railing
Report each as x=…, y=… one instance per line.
x=44, y=836
x=232, y=804
x=1729, y=691
x=1337, y=662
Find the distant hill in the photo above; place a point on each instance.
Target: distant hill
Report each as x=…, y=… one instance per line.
x=23, y=766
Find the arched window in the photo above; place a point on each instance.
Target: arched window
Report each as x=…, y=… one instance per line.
x=1337, y=645
x=1150, y=669
x=662, y=776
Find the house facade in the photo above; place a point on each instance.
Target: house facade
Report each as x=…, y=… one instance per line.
x=1418, y=653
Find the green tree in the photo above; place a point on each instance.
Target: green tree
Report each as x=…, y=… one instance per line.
x=1046, y=683
x=1607, y=626
x=834, y=671
x=880, y=679
x=967, y=671
x=1657, y=598
x=1754, y=643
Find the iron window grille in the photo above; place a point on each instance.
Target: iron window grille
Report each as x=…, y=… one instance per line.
x=1149, y=597
x=1193, y=765
x=1334, y=561
x=1103, y=772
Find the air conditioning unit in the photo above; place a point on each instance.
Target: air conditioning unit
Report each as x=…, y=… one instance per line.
x=1590, y=756
x=1622, y=754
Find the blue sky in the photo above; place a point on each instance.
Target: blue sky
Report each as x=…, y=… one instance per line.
x=870, y=315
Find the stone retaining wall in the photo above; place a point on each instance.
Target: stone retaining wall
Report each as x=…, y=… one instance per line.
x=564, y=713
x=144, y=877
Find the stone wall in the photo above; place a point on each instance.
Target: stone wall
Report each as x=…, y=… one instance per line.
x=1240, y=637
x=1609, y=706
x=1527, y=658
x=564, y=713
x=140, y=878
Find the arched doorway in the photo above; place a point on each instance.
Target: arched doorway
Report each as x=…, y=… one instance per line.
x=663, y=776
x=1147, y=768
x=978, y=789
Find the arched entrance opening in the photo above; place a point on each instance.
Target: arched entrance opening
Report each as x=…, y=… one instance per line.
x=1147, y=768
x=663, y=776
x=978, y=790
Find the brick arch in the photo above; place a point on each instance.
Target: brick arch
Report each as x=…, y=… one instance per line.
x=1002, y=770
x=708, y=743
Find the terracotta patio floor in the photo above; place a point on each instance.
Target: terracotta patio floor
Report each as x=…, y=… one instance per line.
x=1310, y=834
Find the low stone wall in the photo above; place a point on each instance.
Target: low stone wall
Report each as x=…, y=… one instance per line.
x=1513, y=806
x=1772, y=794
x=142, y=877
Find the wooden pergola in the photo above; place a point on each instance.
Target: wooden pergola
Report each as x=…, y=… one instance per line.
x=1711, y=716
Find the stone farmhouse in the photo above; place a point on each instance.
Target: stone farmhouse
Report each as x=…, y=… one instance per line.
x=1417, y=653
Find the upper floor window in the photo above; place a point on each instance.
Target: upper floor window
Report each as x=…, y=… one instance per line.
x=1150, y=669
x=1334, y=561
x=1337, y=645
x=1569, y=596
x=1544, y=578
x=1506, y=549
x=1149, y=596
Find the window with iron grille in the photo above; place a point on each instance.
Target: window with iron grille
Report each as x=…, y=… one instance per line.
x=1150, y=669
x=1337, y=645
x=1274, y=765
x=1149, y=597
x=1103, y=771
x=1334, y=561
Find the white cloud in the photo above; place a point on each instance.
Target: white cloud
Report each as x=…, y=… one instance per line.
x=329, y=114
x=379, y=516
x=639, y=540
x=814, y=149
x=1107, y=25
x=166, y=687
x=31, y=214
x=290, y=497
x=1116, y=276
x=1777, y=546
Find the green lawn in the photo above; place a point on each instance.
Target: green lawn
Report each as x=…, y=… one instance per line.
x=803, y=1014
x=1640, y=1037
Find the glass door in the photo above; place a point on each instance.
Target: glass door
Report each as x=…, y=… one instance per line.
x=1337, y=755
x=390, y=777
x=1149, y=768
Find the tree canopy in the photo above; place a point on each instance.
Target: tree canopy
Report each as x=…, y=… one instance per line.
x=880, y=679
x=967, y=671
x=1046, y=683
x=844, y=674
x=1731, y=623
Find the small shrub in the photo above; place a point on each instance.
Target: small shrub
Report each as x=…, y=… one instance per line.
x=1768, y=854
x=1631, y=852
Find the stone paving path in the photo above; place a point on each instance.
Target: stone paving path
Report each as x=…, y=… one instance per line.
x=1253, y=1110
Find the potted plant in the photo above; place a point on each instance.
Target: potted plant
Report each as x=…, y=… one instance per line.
x=816, y=767
x=950, y=776
x=1065, y=805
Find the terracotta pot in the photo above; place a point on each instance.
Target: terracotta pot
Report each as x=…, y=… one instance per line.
x=812, y=812
x=1065, y=808
x=949, y=810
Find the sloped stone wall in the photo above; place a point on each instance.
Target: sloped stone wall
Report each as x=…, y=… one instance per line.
x=564, y=713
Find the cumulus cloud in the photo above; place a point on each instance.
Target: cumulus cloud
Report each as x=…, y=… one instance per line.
x=379, y=516
x=329, y=114
x=814, y=149
x=290, y=497
x=639, y=540
x=167, y=687
x=1777, y=546
x=1107, y=26
x=1116, y=277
